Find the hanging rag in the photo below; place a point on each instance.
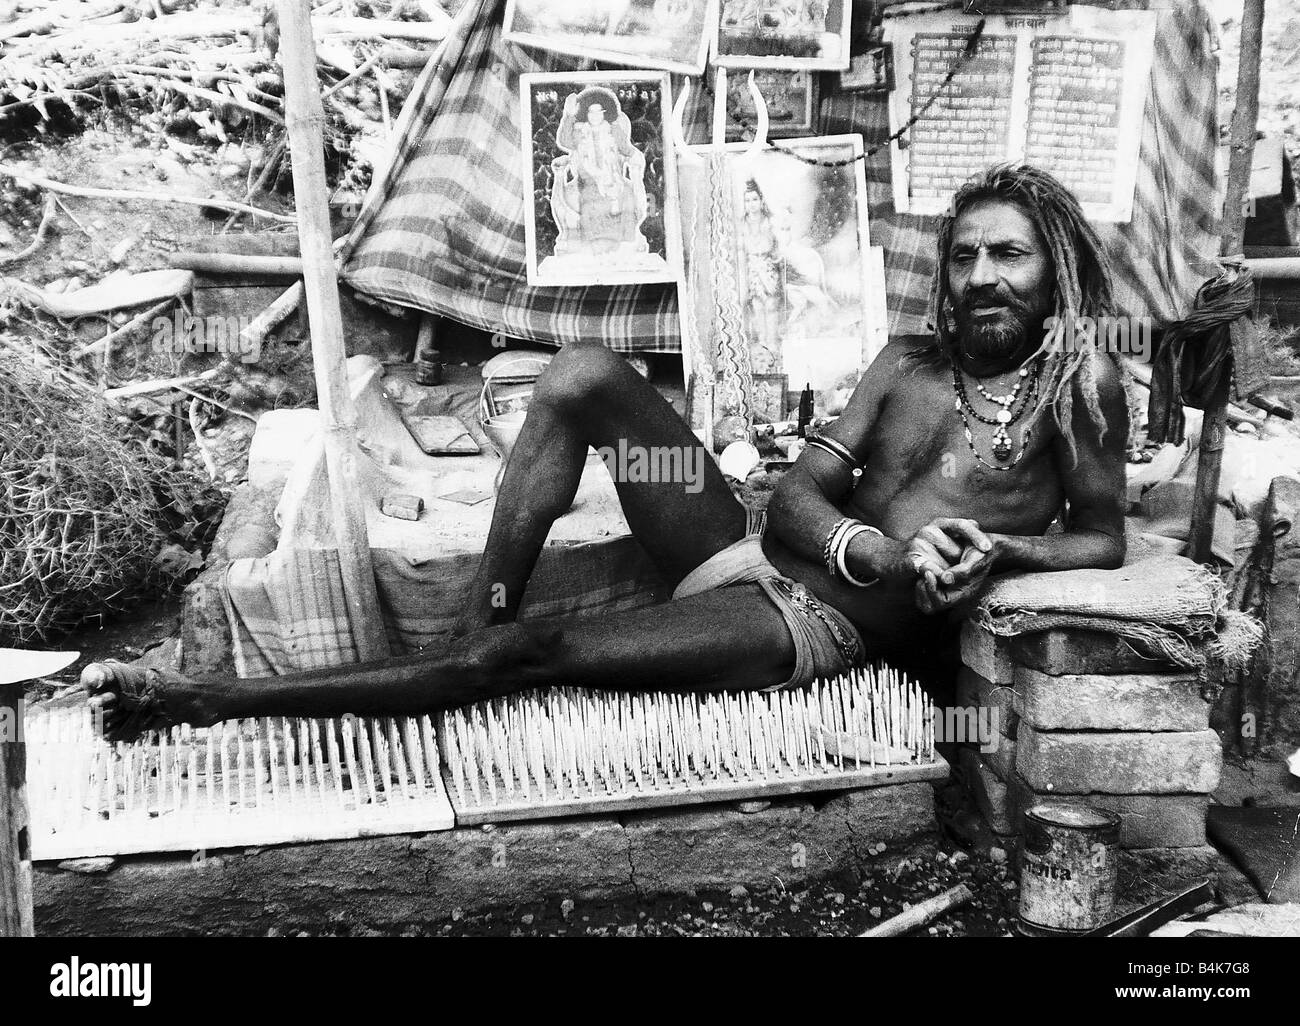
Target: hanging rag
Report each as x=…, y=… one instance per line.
x=1217, y=337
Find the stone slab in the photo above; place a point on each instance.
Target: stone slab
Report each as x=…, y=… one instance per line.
x=994, y=705
x=1143, y=702
x=986, y=653
x=702, y=849
x=1175, y=762
x=1073, y=651
x=388, y=883
x=1146, y=821
x=1000, y=757
x=1149, y=874
x=358, y=885
x=991, y=794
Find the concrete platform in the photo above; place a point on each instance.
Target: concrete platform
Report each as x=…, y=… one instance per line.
x=387, y=883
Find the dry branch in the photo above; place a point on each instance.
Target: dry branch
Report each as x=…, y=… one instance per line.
x=113, y=293
x=47, y=215
x=252, y=337
x=106, y=343
x=158, y=385
x=129, y=194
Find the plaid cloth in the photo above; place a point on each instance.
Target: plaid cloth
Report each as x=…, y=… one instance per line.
x=442, y=230
x=287, y=612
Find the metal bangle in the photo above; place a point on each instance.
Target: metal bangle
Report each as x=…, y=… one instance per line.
x=832, y=541
x=841, y=555
x=838, y=450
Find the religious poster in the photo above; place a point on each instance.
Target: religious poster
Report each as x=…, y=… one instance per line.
x=602, y=209
x=1064, y=92
x=798, y=250
x=794, y=34
x=790, y=96
x=672, y=35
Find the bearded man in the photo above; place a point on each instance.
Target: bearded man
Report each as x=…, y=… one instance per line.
x=956, y=453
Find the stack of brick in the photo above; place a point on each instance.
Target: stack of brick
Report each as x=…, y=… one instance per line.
x=1078, y=717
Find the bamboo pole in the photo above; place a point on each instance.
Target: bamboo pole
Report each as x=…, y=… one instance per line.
x=1245, y=117
x=16, y=667
x=15, y=830
x=305, y=118
x=237, y=263
x=1209, y=462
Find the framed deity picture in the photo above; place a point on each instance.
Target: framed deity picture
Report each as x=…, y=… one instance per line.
x=672, y=35
x=795, y=34
x=770, y=391
x=803, y=269
x=602, y=209
x=791, y=98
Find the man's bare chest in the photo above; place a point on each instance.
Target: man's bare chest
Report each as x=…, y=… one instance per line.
x=924, y=454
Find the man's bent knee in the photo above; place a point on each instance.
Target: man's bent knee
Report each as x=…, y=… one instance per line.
x=576, y=376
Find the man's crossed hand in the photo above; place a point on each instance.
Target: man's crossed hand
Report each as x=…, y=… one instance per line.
x=951, y=558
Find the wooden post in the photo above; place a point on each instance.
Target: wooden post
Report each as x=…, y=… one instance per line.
x=15, y=831
x=304, y=119
x=1245, y=117
x=1209, y=462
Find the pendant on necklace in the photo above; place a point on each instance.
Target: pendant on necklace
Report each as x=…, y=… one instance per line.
x=1002, y=446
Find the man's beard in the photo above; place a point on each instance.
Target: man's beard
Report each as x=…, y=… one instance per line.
x=993, y=339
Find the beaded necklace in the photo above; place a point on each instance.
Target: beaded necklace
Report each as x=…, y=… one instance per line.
x=1013, y=406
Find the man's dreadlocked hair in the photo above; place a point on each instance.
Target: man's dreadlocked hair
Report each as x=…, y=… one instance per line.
x=1082, y=283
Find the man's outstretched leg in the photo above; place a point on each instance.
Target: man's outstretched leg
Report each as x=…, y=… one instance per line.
x=727, y=639
x=589, y=396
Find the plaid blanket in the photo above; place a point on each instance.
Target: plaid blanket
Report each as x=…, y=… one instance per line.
x=287, y=611
x=442, y=229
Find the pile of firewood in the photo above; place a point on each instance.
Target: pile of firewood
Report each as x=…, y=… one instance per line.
x=206, y=71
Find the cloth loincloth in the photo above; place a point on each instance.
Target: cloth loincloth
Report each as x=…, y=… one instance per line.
x=826, y=644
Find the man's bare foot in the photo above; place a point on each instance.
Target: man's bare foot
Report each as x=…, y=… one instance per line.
x=127, y=700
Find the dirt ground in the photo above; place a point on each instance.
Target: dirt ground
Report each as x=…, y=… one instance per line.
x=842, y=907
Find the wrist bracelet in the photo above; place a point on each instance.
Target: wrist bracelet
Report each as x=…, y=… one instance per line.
x=831, y=547
x=841, y=556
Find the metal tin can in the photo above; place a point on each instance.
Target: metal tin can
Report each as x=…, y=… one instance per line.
x=1068, y=867
x=428, y=367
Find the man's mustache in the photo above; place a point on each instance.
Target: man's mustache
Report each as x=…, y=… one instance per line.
x=973, y=299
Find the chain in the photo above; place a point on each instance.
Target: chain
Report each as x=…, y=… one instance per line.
x=964, y=59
